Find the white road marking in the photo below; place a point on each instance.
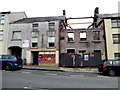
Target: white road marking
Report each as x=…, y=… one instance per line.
x=52, y=74
x=77, y=75
x=103, y=76
x=25, y=72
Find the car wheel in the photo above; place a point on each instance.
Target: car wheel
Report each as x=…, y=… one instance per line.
x=111, y=72
x=8, y=68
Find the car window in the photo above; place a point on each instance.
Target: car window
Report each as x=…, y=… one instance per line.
x=108, y=63
x=115, y=63
x=13, y=57
x=102, y=62
x=5, y=57
x=0, y=56
x=119, y=63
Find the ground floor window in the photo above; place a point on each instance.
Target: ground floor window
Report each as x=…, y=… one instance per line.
x=81, y=52
x=71, y=51
x=117, y=55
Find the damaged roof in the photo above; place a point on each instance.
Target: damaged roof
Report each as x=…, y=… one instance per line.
x=40, y=19
x=107, y=16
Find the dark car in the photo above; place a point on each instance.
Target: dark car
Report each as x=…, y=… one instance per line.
x=110, y=67
x=10, y=62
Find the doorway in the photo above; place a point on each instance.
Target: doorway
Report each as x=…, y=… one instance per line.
x=35, y=57
x=16, y=50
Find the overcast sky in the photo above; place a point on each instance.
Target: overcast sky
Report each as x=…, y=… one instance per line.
x=74, y=8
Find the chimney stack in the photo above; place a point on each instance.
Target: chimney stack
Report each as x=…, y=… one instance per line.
x=64, y=13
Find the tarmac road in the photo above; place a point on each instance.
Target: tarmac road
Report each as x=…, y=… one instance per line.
x=35, y=79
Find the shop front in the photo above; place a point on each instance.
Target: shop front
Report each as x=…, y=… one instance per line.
x=46, y=57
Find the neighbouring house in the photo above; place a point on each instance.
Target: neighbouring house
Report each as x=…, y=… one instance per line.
x=36, y=39
x=111, y=25
x=5, y=19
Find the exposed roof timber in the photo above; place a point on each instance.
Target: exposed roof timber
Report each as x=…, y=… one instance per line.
x=78, y=23
x=80, y=18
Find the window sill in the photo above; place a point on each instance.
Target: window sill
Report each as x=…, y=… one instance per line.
x=51, y=47
x=115, y=27
x=16, y=40
x=117, y=43
x=83, y=41
x=34, y=47
x=96, y=41
x=70, y=41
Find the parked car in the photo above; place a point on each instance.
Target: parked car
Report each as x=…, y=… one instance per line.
x=10, y=62
x=110, y=67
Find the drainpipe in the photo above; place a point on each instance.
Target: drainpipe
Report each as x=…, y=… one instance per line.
x=105, y=41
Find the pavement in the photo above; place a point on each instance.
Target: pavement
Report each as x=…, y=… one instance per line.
x=56, y=68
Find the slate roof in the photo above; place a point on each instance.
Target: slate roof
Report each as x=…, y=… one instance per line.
x=40, y=19
x=107, y=16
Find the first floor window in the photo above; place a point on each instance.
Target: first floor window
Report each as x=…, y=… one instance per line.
x=116, y=38
x=1, y=34
x=70, y=36
x=96, y=35
x=51, y=44
x=34, y=33
x=117, y=55
x=71, y=51
x=51, y=33
x=16, y=35
x=83, y=36
x=51, y=41
x=34, y=42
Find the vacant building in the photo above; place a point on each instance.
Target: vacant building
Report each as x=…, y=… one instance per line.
x=82, y=42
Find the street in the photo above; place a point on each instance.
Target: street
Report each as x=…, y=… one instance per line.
x=35, y=79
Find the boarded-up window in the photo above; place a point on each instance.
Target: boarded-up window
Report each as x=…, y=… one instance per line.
x=96, y=35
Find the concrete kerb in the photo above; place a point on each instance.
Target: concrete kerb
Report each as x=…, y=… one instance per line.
x=80, y=69
x=63, y=69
